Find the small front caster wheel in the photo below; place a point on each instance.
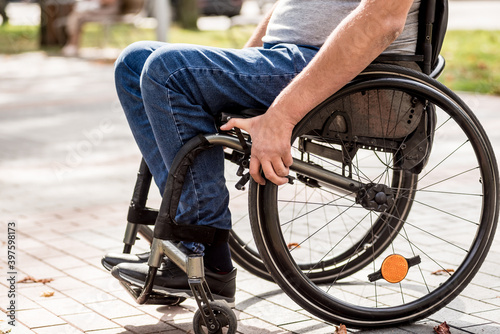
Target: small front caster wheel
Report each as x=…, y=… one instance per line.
x=225, y=317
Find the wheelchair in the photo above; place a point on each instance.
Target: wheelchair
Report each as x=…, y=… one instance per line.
x=390, y=209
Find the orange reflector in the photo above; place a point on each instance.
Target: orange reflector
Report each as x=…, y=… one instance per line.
x=394, y=268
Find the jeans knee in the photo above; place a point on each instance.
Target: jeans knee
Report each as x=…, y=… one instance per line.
x=174, y=60
x=133, y=57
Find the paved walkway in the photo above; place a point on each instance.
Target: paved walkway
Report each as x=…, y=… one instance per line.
x=67, y=166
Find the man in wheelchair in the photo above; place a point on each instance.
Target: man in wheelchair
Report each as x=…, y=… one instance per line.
x=301, y=53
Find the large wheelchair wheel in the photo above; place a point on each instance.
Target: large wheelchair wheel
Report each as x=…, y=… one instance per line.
x=360, y=166
x=244, y=251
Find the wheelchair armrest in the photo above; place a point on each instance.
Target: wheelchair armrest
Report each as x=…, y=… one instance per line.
x=438, y=69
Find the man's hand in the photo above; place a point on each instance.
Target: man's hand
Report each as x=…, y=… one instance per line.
x=271, y=148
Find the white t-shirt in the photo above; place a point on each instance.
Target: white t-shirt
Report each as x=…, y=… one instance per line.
x=310, y=22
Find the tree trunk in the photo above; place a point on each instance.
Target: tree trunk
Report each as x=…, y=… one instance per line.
x=188, y=13
x=53, y=16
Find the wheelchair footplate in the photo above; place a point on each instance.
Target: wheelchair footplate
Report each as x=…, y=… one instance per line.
x=211, y=315
x=154, y=298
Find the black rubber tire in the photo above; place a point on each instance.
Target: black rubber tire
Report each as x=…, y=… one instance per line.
x=451, y=225
x=225, y=317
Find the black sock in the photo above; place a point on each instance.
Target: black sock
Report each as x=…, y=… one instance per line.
x=218, y=258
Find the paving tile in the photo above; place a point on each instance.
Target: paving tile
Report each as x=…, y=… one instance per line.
x=44, y=235
x=42, y=271
x=471, y=305
x=424, y=326
x=89, y=321
x=75, y=247
x=256, y=325
x=111, y=331
x=86, y=272
x=493, y=315
x=478, y=292
x=41, y=253
x=36, y=292
x=495, y=300
x=60, y=329
x=169, y=313
x=456, y=319
x=108, y=283
x=94, y=239
x=310, y=327
x=122, y=294
x=26, y=260
x=114, y=309
x=18, y=329
x=25, y=303
x=144, y=324
x=490, y=328
x=27, y=242
x=66, y=283
x=88, y=295
x=181, y=326
x=63, y=262
x=38, y=318
x=273, y=313
x=63, y=306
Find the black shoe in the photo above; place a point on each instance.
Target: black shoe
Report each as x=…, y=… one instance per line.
x=172, y=280
x=110, y=260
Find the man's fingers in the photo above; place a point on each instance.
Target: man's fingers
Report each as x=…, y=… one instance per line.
x=254, y=170
x=276, y=175
x=242, y=123
x=230, y=124
x=263, y=159
x=288, y=160
x=280, y=168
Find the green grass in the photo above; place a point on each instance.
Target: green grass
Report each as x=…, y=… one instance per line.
x=472, y=57
x=122, y=35
x=17, y=39
x=472, y=61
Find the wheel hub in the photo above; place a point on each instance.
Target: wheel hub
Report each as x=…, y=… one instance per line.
x=376, y=197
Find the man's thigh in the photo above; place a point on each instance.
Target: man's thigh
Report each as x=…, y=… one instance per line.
x=226, y=79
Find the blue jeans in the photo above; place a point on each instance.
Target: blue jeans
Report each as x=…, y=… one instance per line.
x=173, y=92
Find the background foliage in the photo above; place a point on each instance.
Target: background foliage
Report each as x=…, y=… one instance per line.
x=472, y=57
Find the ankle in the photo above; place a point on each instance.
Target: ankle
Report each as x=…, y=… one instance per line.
x=218, y=259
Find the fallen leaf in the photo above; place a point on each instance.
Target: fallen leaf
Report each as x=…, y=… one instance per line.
x=47, y=294
x=31, y=279
x=443, y=272
x=442, y=329
x=293, y=245
x=340, y=329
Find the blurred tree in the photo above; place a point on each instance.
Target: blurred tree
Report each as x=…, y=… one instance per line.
x=3, y=13
x=188, y=13
x=52, y=21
